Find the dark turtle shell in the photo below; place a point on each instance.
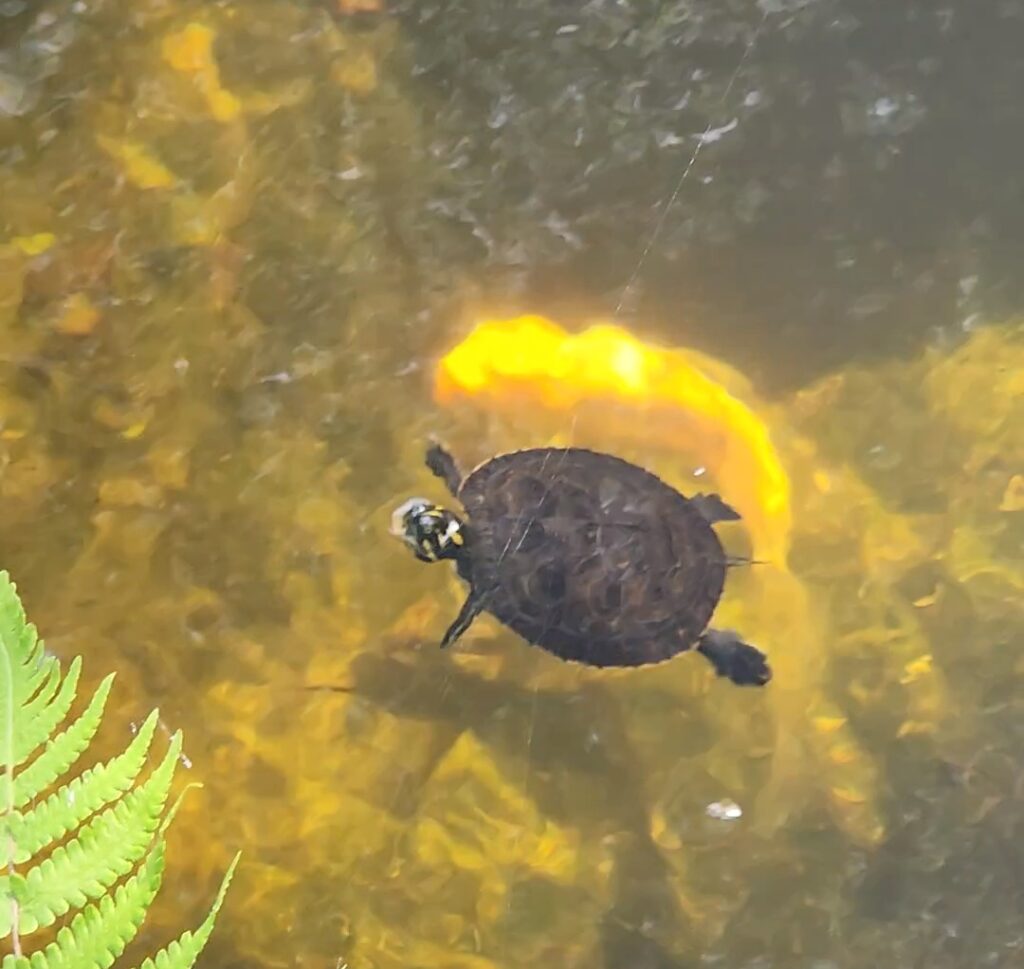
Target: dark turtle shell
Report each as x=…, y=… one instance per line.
x=590, y=557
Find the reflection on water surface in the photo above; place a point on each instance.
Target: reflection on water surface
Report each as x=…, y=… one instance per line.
x=240, y=246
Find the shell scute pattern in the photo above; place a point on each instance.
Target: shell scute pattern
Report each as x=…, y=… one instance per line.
x=590, y=557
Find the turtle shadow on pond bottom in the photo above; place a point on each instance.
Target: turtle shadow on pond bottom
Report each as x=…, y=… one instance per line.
x=579, y=770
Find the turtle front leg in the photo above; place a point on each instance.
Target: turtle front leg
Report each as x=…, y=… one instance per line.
x=471, y=608
x=440, y=461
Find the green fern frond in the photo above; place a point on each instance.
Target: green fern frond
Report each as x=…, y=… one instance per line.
x=21, y=643
x=62, y=751
x=99, y=828
x=100, y=933
x=104, y=850
x=43, y=714
x=67, y=807
x=45, y=693
x=184, y=950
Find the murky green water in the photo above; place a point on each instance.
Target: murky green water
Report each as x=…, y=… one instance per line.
x=235, y=240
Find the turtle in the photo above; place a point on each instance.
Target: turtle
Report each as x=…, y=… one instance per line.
x=592, y=558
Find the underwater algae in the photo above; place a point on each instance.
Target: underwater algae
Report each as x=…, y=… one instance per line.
x=205, y=422
x=127, y=353
x=865, y=616
x=607, y=381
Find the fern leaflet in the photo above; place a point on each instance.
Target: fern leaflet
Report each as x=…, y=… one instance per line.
x=99, y=934
x=41, y=715
x=184, y=950
x=62, y=751
x=105, y=849
x=67, y=807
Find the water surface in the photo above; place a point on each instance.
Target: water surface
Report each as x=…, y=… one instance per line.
x=235, y=241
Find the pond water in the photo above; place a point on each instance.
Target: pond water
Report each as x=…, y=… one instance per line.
x=253, y=254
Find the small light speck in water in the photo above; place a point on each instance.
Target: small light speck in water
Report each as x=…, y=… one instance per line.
x=697, y=472
x=966, y=285
x=724, y=810
x=669, y=140
x=884, y=107
x=715, y=134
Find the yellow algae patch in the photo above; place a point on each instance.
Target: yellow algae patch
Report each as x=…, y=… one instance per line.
x=842, y=754
x=27, y=478
x=417, y=619
x=121, y=417
x=193, y=223
x=138, y=165
x=916, y=668
x=970, y=555
x=852, y=804
x=477, y=827
x=34, y=245
x=356, y=73
x=614, y=386
x=666, y=393
x=169, y=463
x=203, y=221
x=979, y=390
x=890, y=543
x=128, y=492
x=474, y=818
x=384, y=760
x=78, y=316
x=267, y=102
x=12, y=282
x=985, y=370
x=383, y=944
x=1013, y=497
x=829, y=725
x=358, y=6
x=893, y=628
x=848, y=795
x=190, y=51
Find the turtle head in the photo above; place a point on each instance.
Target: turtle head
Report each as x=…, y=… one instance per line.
x=432, y=532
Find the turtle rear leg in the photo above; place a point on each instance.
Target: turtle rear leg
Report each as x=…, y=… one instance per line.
x=471, y=608
x=712, y=509
x=443, y=465
x=742, y=663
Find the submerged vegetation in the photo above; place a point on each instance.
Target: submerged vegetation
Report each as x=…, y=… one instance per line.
x=67, y=844
x=243, y=251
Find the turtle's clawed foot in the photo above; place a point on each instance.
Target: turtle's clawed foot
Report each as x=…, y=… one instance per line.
x=471, y=608
x=731, y=657
x=440, y=461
